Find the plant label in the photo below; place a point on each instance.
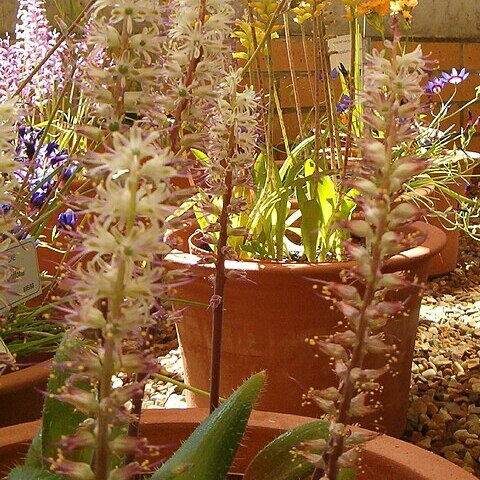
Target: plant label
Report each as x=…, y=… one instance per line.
x=343, y=51
x=22, y=258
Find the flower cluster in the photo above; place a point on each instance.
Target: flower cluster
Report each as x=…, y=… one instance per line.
x=129, y=59
x=391, y=101
x=386, y=7
x=304, y=10
x=199, y=44
x=42, y=165
x=117, y=292
x=8, y=184
x=34, y=37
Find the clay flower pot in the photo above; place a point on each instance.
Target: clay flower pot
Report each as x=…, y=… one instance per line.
x=446, y=260
x=268, y=318
x=383, y=458
x=21, y=397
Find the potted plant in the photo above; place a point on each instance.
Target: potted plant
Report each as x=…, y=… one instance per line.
x=88, y=431
x=272, y=303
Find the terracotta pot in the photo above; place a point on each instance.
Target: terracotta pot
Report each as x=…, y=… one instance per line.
x=384, y=458
x=21, y=393
x=446, y=260
x=268, y=318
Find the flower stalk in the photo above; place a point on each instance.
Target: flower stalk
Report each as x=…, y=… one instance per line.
x=392, y=103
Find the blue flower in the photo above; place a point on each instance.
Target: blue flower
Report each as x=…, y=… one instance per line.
x=434, y=86
x=344, y=104
x=38, y=198
x=455, y=77
x=67, y=220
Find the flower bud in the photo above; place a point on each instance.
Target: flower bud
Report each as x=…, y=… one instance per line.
x=349, y=459
x=333, y=350
x=403, y=214
x=365, y=187
x=374, y=152
x=393, y=281
x=358, y=407
x=358, y=228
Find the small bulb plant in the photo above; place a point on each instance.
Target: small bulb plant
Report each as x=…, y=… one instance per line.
x=392, y=103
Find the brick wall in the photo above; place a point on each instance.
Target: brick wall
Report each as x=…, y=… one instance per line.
x=450, y=54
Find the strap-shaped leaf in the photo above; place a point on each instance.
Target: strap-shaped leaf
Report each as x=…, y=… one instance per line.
x=276, y=460
x=59, y=418
x=30, y=473
x=209, y=451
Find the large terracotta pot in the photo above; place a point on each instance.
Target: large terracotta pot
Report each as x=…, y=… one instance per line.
x=384, y=458
x=21, y=394
x=268, y=318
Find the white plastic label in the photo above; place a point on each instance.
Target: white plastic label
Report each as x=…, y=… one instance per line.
x=22, y=257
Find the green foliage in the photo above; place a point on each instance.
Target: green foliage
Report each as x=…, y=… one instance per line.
x=209, y=451
x=59, y=418
x=30, y=473
x=278, y=460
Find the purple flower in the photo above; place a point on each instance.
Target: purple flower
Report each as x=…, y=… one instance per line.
x=67, y=220
x=455, y=77
x=334, y=74
x=434, y=86
x=5, y=208
x=38, y=198
x=344, y=104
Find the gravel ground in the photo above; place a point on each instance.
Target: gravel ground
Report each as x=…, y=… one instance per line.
x=444, y=414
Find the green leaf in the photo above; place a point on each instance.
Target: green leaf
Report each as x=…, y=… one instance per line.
x=30, y=473
x=347, y=474
x=34, y=456
x=311, y=216
x=209, y=451
x=277, y=462
x=59, y=418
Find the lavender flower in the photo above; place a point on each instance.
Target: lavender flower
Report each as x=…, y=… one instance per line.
x=344, y=104
x=38, y=198
x=434, y=86
x=67, y=220
x=455, y=77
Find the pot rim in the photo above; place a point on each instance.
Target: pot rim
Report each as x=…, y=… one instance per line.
x=434, y=242
x=32, y=375
x=422, y=464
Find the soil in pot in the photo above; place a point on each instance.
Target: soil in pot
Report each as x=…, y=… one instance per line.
x=268, y=318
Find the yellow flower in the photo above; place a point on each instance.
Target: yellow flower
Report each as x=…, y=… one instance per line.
x=404, y=7
x=380, y=7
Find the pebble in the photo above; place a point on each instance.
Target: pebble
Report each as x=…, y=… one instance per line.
x=444, y=411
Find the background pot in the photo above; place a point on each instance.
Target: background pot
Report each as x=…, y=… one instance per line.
x=21, y=393
x=268, y=318
x=384, y=458
x=446, y=260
